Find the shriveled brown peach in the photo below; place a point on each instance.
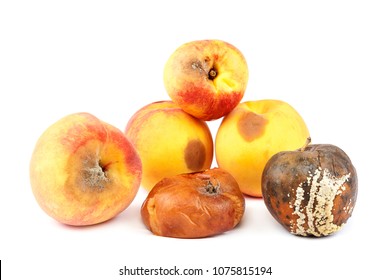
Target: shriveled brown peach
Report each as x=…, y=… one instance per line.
x=194, y=205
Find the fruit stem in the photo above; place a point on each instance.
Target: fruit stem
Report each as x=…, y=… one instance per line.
x=211, y=188
x=212, y=74
x=307, y=143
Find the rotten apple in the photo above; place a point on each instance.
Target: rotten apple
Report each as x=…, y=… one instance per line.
x=194, y=205
x=311, y=191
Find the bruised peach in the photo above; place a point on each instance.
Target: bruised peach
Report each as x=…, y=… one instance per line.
x=312, y=191
x=169, y=141
x=84, y=171
x=194, y=205
x=207, y=78
x=252, y=133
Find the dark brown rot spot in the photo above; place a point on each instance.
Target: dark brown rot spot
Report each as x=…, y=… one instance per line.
x=93, y=175
x=195, y=155
x=212, y=188
x=251, y=126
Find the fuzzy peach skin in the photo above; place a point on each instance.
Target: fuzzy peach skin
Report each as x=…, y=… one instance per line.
x=207, y=78
x=84, y=171
x=251, y=134
x=169, y=141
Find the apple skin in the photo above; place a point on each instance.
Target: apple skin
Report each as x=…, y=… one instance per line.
x=206, y=78
x=253, y=132
x=194, y=205
x=84, y=171
x=169, y=141
x=311, y=191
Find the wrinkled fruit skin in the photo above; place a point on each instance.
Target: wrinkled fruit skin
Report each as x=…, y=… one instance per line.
x=311, y=192
x=194, y=205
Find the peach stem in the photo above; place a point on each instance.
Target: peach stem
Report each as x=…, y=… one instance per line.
x=307, y=143
x=212, y=74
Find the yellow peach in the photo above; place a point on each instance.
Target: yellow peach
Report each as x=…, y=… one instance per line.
x=251, y=134
x=169, y=141
x=84, y=171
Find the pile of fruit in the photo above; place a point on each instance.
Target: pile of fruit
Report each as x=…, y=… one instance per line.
x=84, y=171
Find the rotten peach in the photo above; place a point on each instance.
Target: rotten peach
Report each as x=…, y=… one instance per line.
x=194, y=205
x=169, y=141
x=311, y=191
x=252, y=133
x=206, y=78
x=84, y=171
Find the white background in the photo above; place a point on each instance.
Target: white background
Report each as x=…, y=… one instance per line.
x=328, y=59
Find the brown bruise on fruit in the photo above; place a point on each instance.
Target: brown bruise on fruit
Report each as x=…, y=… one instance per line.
x=311, y=193
x=93, y=175
x=87, y=172
x=195, y=155
x=205, y=68
x=212, y=186
x=251, y=126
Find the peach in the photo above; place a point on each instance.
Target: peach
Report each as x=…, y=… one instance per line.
x=169, y=141
x=311, y=191
x=194, y=205
x=84, y=171
x=207, y=78
x=251, y=134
